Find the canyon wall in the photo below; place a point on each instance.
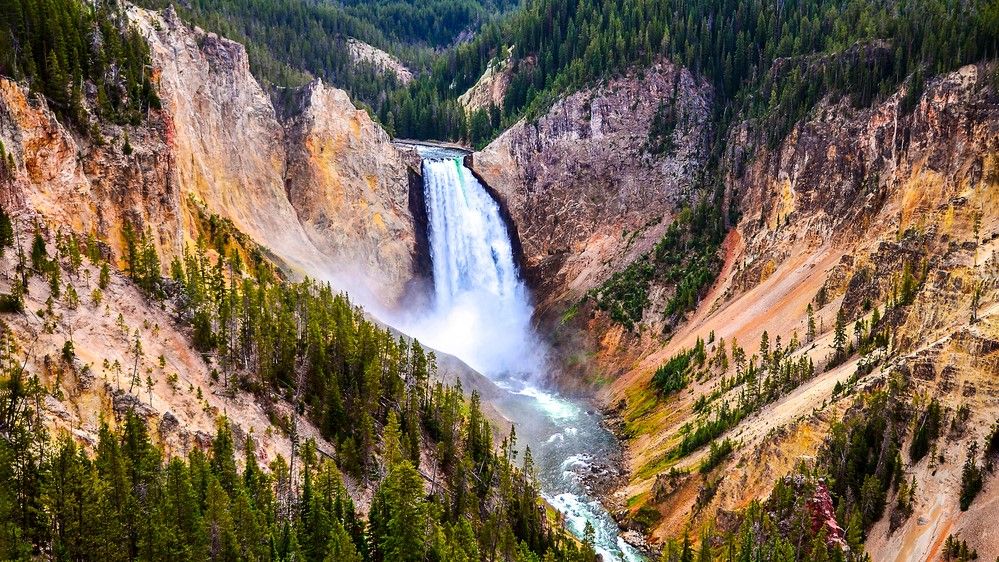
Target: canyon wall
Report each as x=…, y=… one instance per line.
x=350, y=188
x=91, y=187
x=317, y=187
x=323, y=191
x=323, y=196
x=585, y=194
x=831, y=218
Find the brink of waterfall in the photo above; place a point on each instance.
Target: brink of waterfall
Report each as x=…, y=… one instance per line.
x=481, y=308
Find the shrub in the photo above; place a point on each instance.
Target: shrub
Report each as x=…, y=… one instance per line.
x=927, y=430
x=11, y=303
x=671, y=377
x=716, y=455
x=971, y=478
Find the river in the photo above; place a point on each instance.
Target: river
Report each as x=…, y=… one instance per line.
x=570, y=446
x=482, y=314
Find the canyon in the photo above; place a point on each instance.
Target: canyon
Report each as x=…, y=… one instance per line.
x=823, y=225
x=221, y=159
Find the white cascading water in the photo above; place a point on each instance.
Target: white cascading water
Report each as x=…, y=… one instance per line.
x=482, y=309
x=482, y=315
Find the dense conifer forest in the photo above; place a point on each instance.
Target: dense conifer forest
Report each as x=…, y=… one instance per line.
x=763, y=58
x=290, y=41
x=59, y=47
x=766, y=61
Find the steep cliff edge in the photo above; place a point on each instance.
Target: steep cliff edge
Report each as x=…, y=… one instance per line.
x=362, y=52
x=591, y=186
x=322, y=193
x=491, y=87
x=325, y=193
x=88, y=185
x=350, y=188
x=886, y=217
x=227, y=141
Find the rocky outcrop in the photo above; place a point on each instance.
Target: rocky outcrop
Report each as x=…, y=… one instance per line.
x=862, y=176
x=820, y=507
x=491, y=87
x=224, y=134
x=585, y=195
x=844, y=205
x=90, y=185
x=361, y=52
x=323, y=191
x=350, y=187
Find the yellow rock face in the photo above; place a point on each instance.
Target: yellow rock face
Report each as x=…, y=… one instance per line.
x=856, y=205
x=324, y=191
x=308, y=187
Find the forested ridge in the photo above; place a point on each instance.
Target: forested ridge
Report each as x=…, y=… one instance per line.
x=765, y=60
x=289, y=41
x=561, y=45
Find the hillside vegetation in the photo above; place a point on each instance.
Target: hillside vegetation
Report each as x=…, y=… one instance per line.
x=290, y=42
x=442, y=490
x=759, y=56
x=752, y=52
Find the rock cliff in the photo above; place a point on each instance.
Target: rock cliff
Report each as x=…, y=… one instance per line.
x=362, y=52
x=92, y=186
x=350, y=188
x=491, y=87
x=585, y=194
x=324, y=191
x=227, y=143
x=299, y=192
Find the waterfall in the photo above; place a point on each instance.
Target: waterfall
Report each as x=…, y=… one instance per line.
x=481, y=310
x=481, y=313
x=469, y=245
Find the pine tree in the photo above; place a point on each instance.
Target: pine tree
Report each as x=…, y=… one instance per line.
x=6, y=231
x=839, y=334
x=392, y=440
x=39, y=255
x=104, y=277
x=219, y=526
x=223, y=457
x=404, y=534
x=340, y=547
x=855, y=531
x=971, y=477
